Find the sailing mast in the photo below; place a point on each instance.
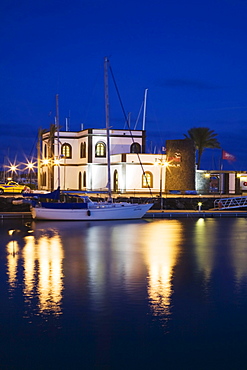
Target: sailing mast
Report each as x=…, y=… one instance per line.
x=106, y=63
x=144, y=110
x=58, y=139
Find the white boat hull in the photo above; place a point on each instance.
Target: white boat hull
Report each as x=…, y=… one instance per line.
x=117, y=211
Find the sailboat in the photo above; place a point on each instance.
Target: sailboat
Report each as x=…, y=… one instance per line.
x=66, y=207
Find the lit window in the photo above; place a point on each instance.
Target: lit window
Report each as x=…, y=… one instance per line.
x=100, y=149
x=147, y=180
x=66, y=150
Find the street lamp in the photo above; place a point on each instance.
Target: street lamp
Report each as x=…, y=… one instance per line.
x=30, y=167
x=13, y=169
x=161, y=162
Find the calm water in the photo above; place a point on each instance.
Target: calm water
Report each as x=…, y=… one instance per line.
x=167, y=294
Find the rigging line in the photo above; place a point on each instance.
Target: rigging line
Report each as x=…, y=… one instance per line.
x=126, y=119
x=137, y=120
x=34, y=144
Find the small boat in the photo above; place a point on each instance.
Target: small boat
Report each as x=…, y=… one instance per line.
x=82, y=207
x=62, y=206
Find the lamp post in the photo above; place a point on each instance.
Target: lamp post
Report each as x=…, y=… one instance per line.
x=161, y=162
x=30, y=167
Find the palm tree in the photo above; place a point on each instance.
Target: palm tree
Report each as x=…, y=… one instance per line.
x=203, y=138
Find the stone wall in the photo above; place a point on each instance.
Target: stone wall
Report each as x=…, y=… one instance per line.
x=180, y=173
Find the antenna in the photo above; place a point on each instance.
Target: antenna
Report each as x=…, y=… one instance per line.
x=58, y=140
x=67, y=122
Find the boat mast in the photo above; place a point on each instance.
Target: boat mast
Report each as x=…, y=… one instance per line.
x=58, y=139
x=144, y=109
x=106, y=63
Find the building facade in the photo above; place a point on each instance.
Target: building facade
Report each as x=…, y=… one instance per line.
x=78, y=161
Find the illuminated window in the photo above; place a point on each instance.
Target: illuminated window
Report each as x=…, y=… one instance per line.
x=100, y=149
x=83, y=150
x=147, y=180
x=66, y=150
x=135, y=148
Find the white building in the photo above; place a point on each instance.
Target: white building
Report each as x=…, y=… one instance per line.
x=78, y=161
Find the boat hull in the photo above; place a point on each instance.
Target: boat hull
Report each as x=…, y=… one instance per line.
x=107, y=212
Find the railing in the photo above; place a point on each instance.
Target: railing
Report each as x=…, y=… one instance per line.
x=227, y=203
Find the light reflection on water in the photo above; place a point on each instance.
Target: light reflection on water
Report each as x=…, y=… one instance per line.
x=161, y=247
x=41, y=259
x=180, y=281
x=122, y=254
x=204, y=241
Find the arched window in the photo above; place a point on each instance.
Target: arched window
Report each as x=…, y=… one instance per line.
x=100, y=149
x=83, y=150
x=43, y=179
x=66, y=150
x=45, y=151
x=135, y=148
x=79, y=185
x=147, y=180
x=84, y=179
x=115, y=181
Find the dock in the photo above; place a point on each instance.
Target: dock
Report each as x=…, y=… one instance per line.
x=150, y=214
x=194, y=214
x=15, y=215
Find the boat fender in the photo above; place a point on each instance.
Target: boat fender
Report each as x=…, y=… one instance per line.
x=89, y=213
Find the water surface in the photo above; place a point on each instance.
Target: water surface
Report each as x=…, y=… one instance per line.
x=124, y=295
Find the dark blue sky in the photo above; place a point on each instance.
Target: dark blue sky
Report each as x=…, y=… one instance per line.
x=191, y=55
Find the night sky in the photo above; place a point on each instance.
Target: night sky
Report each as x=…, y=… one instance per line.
x=190, y=55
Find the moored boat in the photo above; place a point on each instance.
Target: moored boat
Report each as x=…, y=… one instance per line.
x=67, y=207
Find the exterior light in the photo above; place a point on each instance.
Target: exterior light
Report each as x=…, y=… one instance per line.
x=30, y=166
x=207, y=175
x=57, y=162
x=199, y=206
x=46, y=161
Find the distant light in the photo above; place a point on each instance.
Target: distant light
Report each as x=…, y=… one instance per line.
x=30, y=165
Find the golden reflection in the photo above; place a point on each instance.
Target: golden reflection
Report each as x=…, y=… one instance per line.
x=42, y=260
x=29, y=267
x=50, y=283
x=162, y=247
x=157, y=242
x=12, y=262
x=204, y=245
